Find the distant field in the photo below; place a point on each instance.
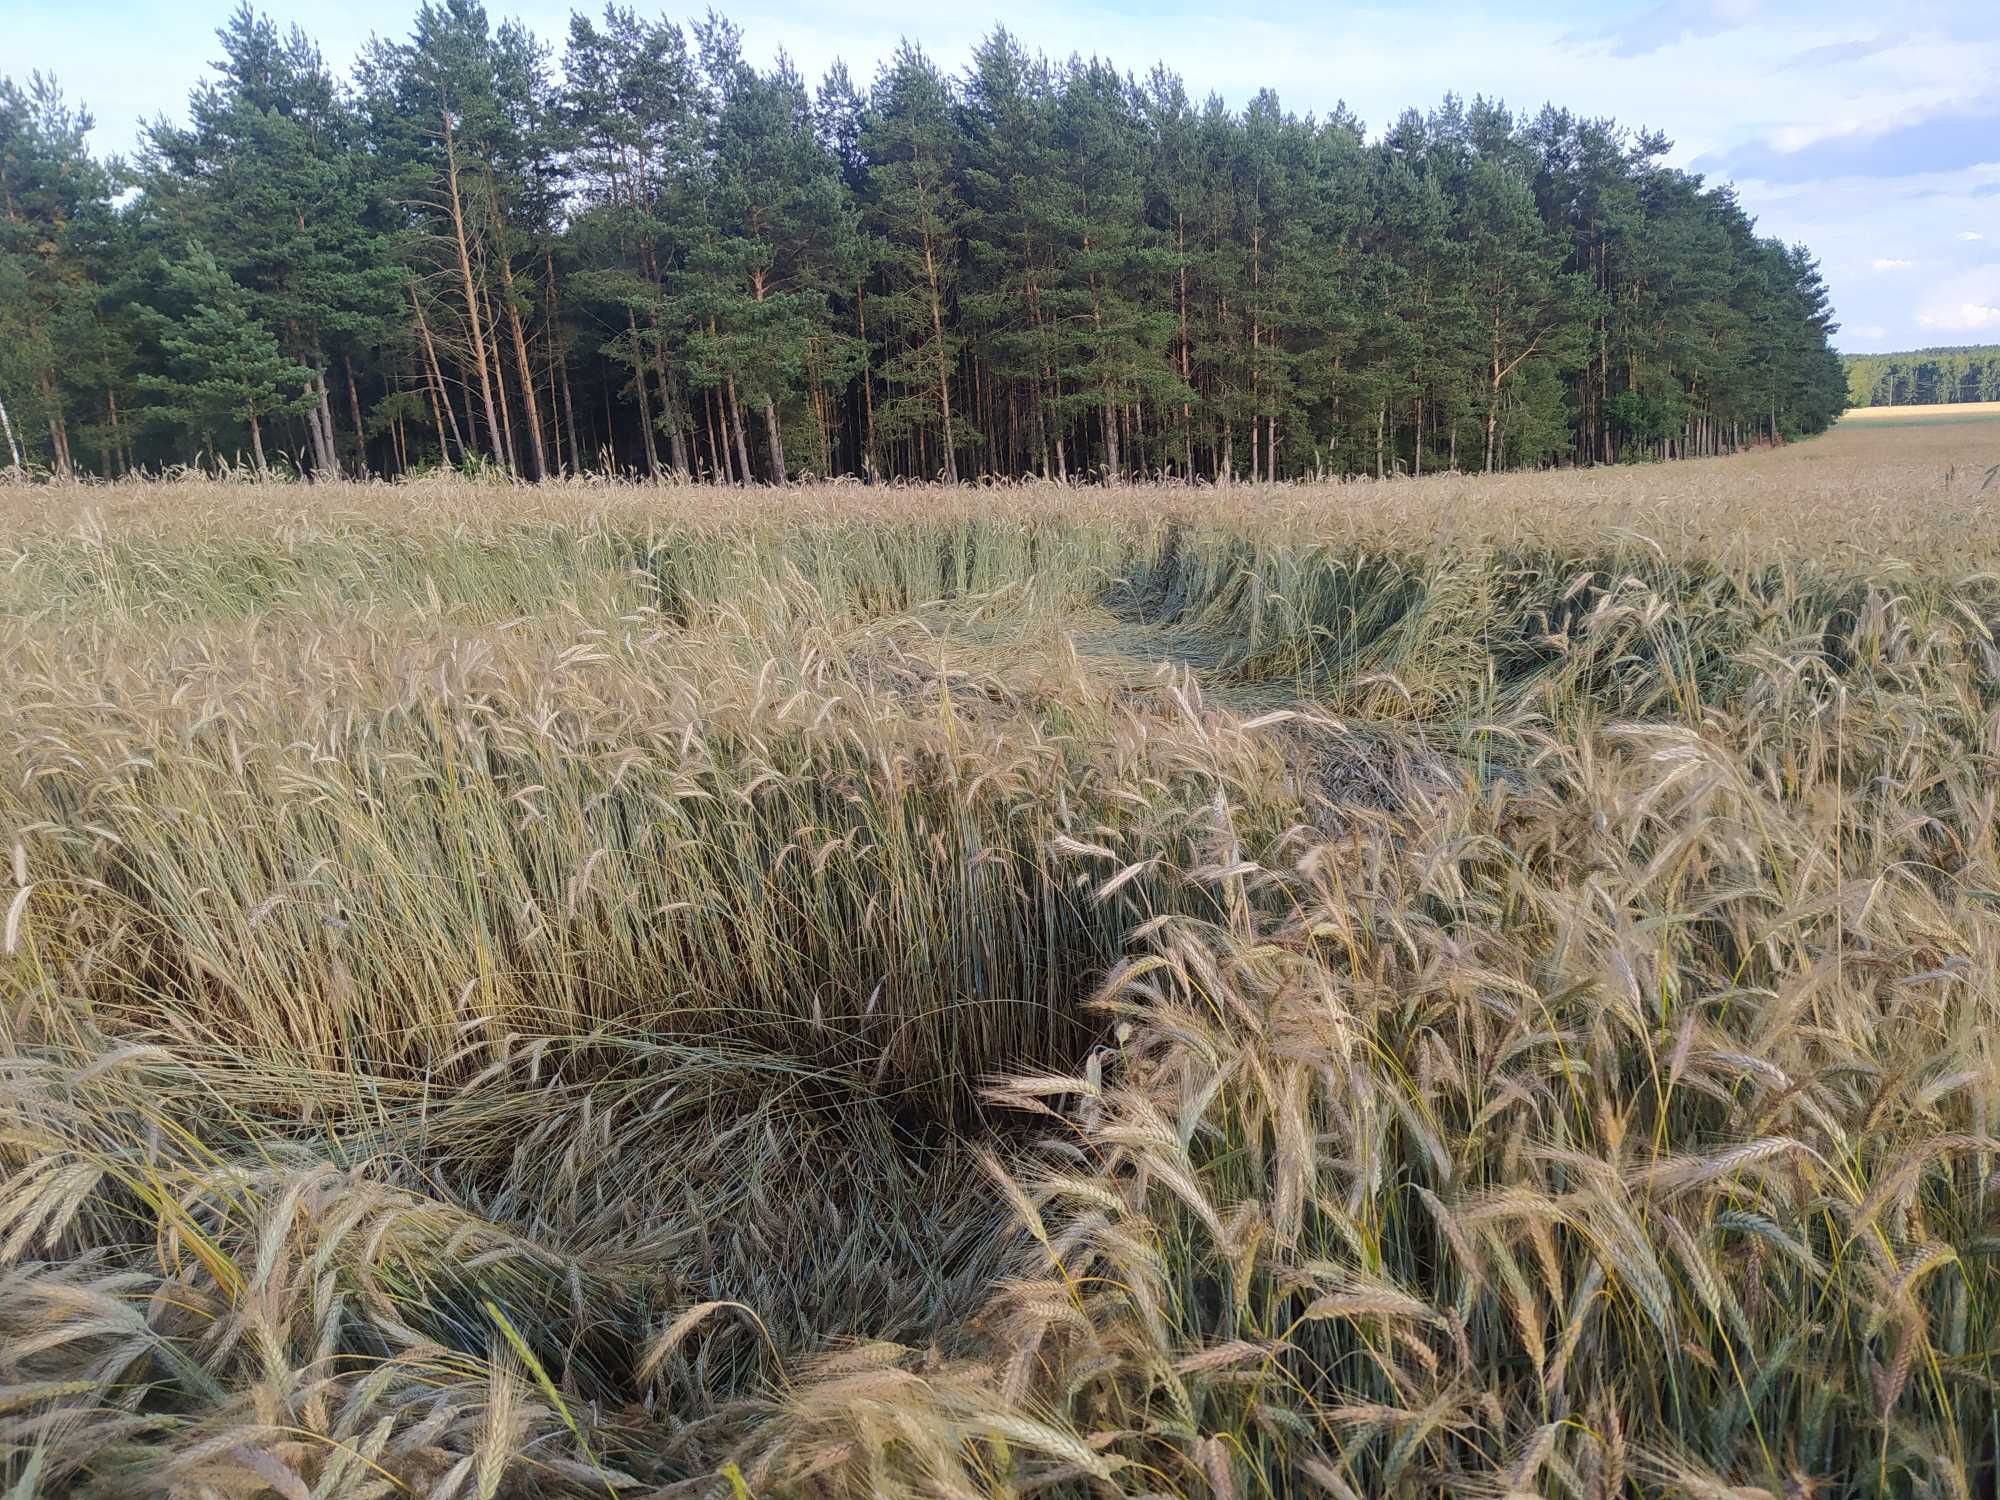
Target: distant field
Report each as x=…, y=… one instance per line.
x=1441, y=987
x=1965, y=411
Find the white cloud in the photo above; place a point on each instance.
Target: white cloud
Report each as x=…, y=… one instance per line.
x=1965, y=304
x=1870, y=331
x=1971, y=234
x=1891, y=265
x=1795, y=138
x=1967, y=317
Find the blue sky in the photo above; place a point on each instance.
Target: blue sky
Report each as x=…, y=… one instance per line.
x=1870, y=132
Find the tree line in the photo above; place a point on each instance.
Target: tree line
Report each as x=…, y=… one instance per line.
x=646, y=254
x=1925, y=377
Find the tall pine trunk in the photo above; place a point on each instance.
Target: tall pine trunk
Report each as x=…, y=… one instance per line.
x=559, y=360
x=772, y=438
x=354, y=411
x=116, y=455
x=647, y=442
x=1493, y=399
x=471, y=291
x=59, y=429
x=670, y=406
x=440, y=393
x=537, y=456
x=736, y=427
x=511, y=456
x=869, y=464
x=943, y=364
x=1187, y=414
x=257, y=444
x=569, y=415
x=437, y=416
x=324, y=411
x=776, y=441
x=559, y=462
x=718, y=458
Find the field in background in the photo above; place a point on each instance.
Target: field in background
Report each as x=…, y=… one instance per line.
x=1963, y=411
x=1432, y=987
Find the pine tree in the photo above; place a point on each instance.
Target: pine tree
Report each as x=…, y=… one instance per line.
x=464, y=130
x=635, y=118
x=54, y=204
x=1013, y=245
x=669, y=258
x=1173, y=198
x=1525, y=306
x=778, y=219
x=1122, y=355
x=915, y=210
x=221, y=366
x=267, y=176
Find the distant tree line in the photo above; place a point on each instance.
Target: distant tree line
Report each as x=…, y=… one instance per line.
x=656, y=256
x=1925, y=377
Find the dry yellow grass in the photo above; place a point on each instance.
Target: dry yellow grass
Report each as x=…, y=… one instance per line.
x=1439, y=987
x=1856, y=480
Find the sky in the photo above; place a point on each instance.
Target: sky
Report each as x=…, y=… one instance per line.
x=1869, y=132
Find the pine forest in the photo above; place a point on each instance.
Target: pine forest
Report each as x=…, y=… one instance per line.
x=635, y=251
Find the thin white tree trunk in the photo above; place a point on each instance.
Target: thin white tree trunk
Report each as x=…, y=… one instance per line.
x=13, y=448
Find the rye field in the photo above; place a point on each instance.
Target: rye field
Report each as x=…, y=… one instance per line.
x=1445, y=987
x=1952, y=413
